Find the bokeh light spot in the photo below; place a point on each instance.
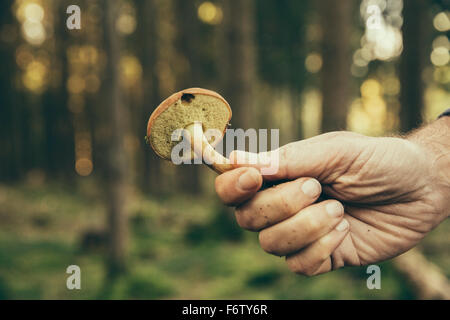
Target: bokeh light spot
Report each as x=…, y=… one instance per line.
x=34, y=12
x=75, y=84
x=313, y=62
x=371, y=88
x=130, y=70
x=440, y=56
x=84, y=167
x=210, y=13
x=442, y=21
x=126, y=24
x=33, y=32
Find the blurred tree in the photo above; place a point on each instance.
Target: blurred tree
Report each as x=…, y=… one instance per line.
x=416, y=46
x=10, y=137
x=58, y=124
x=237, y=60
x=150, y=171
x=189, y=45
x=115, y=176
x=335, y=21
x=281, y=52
x=280, y=40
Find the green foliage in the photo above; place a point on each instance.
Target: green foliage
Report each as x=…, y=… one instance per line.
x=264, y=278
x=4, y=290
x=222, y=227
x=147, y=286
x=180, y=247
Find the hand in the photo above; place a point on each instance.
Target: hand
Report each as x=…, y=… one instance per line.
x=393, y=192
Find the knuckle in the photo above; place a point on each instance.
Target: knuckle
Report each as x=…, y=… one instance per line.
x=295, y=266
x=218, y=184
x=333, y=134
x=324, y=248
x=323, y=255
x=324, y=242
x=284, y=154
x=286, y=201
x=309, y=273
x=313, y=224
x=246, y=220
x=265, y=241
x=339, y=134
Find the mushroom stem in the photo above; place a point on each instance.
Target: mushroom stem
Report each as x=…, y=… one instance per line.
x=205, y=151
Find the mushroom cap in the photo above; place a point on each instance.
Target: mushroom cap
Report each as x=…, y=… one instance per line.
x=181, y=109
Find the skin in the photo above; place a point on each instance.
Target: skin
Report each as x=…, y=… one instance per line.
x=344, y=199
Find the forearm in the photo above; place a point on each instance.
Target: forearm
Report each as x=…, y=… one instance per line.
x=434, y=138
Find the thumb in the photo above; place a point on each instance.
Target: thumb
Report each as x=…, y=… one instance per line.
x=317, y=157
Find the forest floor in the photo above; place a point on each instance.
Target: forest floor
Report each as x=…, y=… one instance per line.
x=180, y=247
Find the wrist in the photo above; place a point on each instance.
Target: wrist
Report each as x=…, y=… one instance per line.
x=434, y=140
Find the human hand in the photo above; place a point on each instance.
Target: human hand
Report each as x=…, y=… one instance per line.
x=393, y=192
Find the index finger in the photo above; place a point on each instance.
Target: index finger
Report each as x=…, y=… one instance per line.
x=267, y=163
x=238, y=185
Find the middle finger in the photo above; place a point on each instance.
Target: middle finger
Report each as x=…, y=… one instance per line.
x=278, y=203
x=302, y=229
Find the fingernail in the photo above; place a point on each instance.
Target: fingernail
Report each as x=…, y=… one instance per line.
x=334, y=209
x=342, y=226
x=248, y=180
x=311, y=188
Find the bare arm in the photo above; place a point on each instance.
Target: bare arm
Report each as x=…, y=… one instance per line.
x=435, y=139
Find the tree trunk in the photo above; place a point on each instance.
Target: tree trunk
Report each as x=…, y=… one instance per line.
x=59, y=133
x=237, y=60
x=10, y=153
x=116, y=166
x=149, y=180
x=336, y=55
x=188, y=45
x=415, y=47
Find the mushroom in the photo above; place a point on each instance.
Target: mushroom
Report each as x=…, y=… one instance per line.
x=196, y=110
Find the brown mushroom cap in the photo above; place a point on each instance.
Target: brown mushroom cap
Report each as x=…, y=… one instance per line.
x=184, y=108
